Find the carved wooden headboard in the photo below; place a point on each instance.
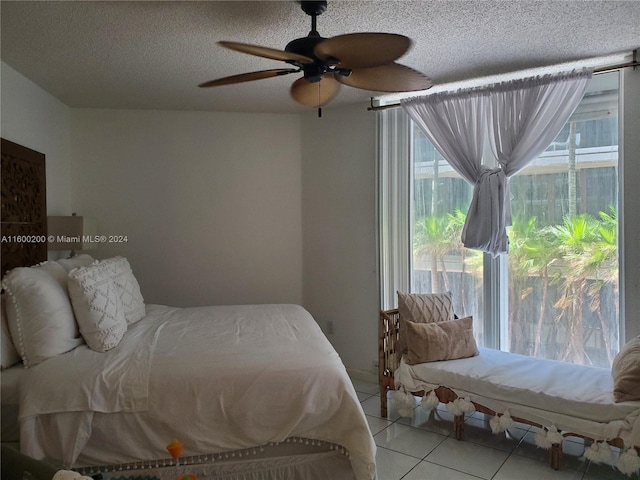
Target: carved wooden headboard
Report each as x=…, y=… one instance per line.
x=24, y=206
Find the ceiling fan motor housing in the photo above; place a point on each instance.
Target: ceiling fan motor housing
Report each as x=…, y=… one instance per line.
x=305, y=45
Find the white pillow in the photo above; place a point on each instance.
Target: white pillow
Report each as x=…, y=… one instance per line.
x=96, y=302
x=39, y=313
x=130, y=296
x=9, y=355
x=82, y=260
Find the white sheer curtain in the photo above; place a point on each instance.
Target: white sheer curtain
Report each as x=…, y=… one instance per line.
x=393, y=205
x=521, y=118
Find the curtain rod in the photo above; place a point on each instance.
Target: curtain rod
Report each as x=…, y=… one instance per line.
x=634, y=63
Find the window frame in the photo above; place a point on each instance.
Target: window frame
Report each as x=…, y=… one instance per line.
x=495, y=270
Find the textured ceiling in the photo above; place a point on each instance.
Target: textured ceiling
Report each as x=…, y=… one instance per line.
x=152, y=55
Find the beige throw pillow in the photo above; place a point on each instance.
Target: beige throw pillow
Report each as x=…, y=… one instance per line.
x=428, y=342
x=422, y=308
x=626, y=372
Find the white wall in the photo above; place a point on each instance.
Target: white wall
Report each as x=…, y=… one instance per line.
x=339, y=230
x=210, y=202
x=33, y=118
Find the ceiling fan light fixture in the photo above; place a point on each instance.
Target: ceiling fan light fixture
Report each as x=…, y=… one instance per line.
x=313, y=73
x=315, y=94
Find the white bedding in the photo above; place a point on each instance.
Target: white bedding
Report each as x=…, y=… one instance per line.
x=581, y=403
x=9, y=380
x=218, y=378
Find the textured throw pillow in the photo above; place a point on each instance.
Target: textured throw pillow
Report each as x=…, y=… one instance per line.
x=97, y=305
x=128, y=288
x=626, y=372
x=82, y=260
x=39, y=313
x=429, y=342
x=8, y=353
x=422, y=308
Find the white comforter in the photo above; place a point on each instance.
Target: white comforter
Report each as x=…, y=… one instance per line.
x=218, y=378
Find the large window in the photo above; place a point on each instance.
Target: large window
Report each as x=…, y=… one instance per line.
x=555, y=295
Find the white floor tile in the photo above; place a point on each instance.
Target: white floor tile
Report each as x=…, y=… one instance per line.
x=436, y=421
x=371, y=406
x=572, y=457
x=365, y=387
x=363, y=396
x=376, y=424
x=428, y=471
x=393, y=465
x=477, y=431
x=522, y=468
x=606, y=472
x=468, y=457
x=408, y=440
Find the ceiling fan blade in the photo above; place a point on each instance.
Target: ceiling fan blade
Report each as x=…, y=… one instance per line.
x=267, y=52
x=315, y=94
x=248, y=77
x=391, y=77
x=363, y=50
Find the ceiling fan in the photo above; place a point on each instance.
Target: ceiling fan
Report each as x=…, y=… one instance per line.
x=360, y=60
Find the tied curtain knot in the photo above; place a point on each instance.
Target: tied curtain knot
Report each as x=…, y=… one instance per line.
x=487, y=218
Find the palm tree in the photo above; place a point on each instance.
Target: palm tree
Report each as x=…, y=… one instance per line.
x=535, y=252
x=520, y=269
x=574, y=238
x=545, y=253
x=431, y=237
x=601, y=265
x=469, y=259
x=456, y=221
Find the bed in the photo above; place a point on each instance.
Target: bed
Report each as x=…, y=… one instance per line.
x=250, y=391
x=221, y=379
x=227, y=381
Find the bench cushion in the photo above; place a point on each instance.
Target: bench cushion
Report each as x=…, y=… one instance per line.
x=549, y=392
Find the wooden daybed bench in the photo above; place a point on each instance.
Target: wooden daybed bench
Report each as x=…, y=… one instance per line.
x=561, y=399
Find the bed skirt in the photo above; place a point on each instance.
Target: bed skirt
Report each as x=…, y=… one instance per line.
x=295, y=458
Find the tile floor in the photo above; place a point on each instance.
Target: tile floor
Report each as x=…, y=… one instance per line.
x=423, y=448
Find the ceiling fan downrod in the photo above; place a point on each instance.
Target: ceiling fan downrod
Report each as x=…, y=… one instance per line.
x=305, y=46
x=313, y=9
